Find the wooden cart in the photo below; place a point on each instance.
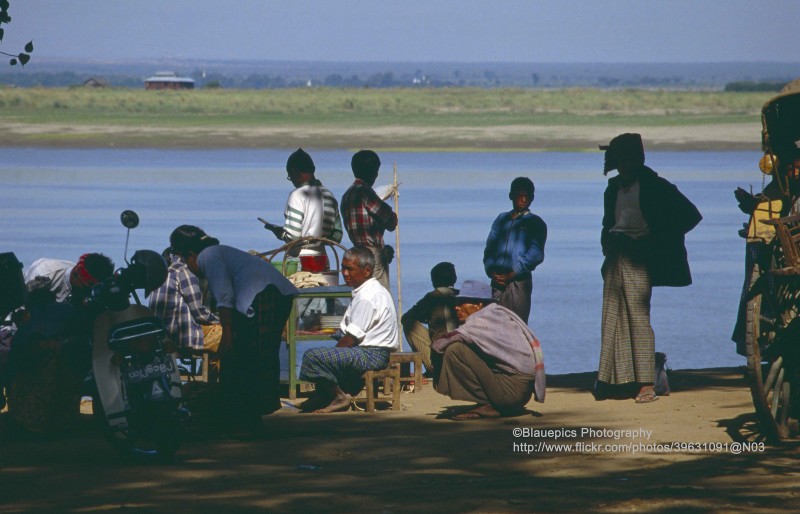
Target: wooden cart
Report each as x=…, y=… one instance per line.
x=293, y=247
x=296, y=336
x=772, y=322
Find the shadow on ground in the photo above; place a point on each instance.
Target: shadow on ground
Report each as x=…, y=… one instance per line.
x=392, y=462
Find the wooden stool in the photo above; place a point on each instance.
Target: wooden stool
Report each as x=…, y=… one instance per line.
x=404, y=358
x=188, y=373
x=390, y=374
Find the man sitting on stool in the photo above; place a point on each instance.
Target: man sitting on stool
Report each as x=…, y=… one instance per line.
x=370, y=336
x=492, y=359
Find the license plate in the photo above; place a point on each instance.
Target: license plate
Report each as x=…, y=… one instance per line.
x=149, y=371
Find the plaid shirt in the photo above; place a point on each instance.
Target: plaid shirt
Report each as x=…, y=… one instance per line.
x=366, y=216
x=179, y=304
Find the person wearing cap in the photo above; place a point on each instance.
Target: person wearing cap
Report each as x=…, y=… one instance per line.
x=70, y=280
x=254, y=301
x=311, y=211
x=366, y=217
x=492, y=358
x=436, y=310
x=370, y=335
x=645, y=221
x=514, y=248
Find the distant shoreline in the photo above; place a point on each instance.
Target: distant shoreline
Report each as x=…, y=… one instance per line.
x=720, y=137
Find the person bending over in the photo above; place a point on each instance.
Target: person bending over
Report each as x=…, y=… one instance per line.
x=254, y=301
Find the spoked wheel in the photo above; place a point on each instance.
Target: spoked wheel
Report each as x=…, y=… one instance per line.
x=773, y=340
x=153, y=441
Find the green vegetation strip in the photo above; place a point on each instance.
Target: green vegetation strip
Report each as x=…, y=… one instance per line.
x=340, y=110
x=375, y=104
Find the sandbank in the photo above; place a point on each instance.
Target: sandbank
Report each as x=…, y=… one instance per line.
x=703, y=137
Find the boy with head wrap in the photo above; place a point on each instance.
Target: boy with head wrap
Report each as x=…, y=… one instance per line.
x=311, y=211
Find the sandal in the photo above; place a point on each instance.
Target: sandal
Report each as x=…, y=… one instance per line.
x=646, y=397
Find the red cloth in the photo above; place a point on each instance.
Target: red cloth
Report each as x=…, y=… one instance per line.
x=82, y=274
x=314, y=263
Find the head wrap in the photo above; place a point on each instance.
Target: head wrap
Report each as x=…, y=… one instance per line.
x=625, y=147
x=300, y=161
x=83, y=274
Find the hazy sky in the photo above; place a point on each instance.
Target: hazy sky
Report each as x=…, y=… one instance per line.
x=410, y=30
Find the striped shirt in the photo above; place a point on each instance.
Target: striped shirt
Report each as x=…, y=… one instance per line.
x=366, y=216
x=312, y=210
x=179, y=304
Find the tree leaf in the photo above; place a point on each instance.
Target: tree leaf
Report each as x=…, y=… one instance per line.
x=13, y=62
x=4, y=5
x=29, y=47
x=2, y=31
x=23, y=59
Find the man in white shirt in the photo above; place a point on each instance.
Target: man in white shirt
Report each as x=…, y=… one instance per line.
x=370, y=336
x=66, y=278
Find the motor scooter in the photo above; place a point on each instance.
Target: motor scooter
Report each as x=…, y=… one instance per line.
x=137, y=385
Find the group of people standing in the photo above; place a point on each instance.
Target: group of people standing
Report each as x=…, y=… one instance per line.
x=645, y=220
x=475, y=341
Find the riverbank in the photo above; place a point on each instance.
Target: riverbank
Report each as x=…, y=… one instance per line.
x=458, y=119
x=714, y=137
x=695, y=450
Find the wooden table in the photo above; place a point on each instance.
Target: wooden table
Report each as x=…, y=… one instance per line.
x=300, y=328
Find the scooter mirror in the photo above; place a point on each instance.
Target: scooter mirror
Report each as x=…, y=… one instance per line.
x=129, y=219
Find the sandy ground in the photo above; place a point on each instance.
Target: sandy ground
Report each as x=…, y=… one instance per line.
x=696, y=450
x=743, y=136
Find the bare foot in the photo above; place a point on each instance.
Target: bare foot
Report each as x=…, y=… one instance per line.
x=341, y=401
x=317, y=401
x=481, y=411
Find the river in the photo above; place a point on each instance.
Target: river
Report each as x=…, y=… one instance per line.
x=61, y=203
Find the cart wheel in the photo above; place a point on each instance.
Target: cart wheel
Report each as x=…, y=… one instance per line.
x=772, y=334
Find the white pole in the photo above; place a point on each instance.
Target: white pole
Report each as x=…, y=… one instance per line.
x=397, y=246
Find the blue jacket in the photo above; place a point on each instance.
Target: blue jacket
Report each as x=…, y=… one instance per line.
x=515, y=245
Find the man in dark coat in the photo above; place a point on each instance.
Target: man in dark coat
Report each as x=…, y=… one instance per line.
x=645, y=221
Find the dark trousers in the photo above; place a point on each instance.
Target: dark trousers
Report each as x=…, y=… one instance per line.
x=249, y=379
